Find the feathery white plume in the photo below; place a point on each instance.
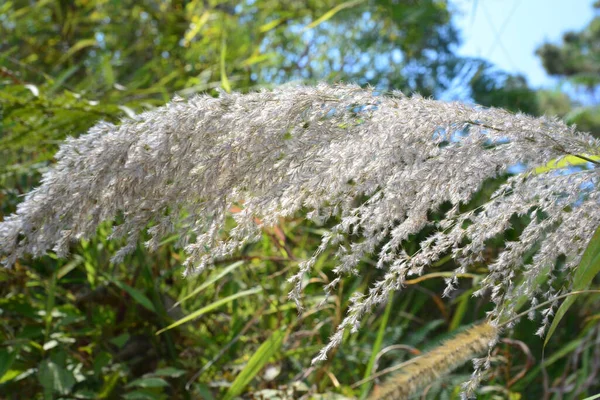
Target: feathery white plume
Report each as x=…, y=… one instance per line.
x=379, y=162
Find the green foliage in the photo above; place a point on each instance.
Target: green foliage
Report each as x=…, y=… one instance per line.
x=256, y=363
x=498, y=89
x=209, y=308
x=377, y=345
x=588, y=268
x=87, y=329
x=577, y=60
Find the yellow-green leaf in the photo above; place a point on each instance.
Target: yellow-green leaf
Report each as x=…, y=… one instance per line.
x=258, y=58
x=564, y=162
x=224, y=80
x=6, y=360
x=587, y=269
x=271, y=25
x=195, y=27
x=329, y=14
x=10, y=375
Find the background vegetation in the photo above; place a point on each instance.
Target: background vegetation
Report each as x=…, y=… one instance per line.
x=87, y=329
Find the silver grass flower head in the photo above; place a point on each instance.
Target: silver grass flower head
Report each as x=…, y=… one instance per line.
x=183, y=166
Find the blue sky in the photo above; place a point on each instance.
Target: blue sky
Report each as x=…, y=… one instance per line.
x=507, y=32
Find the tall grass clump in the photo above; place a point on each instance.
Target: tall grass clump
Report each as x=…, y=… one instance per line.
x=376, y=164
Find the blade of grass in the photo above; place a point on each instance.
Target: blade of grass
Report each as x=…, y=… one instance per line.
x=377, y=345
x=70, y=266
x=256, y=363
x=225, y=348
x=210, y=307
x=196, y=26
x=461, y=309
x=49, y=306
x=597, y=396
x=209, y=282
x=272, y=24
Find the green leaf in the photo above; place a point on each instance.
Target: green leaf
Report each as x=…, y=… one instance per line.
x=54, y=378
x=138, y=296
x=461, y=309
x=62, y=78
x=107, y=70
x=110, y=382
x=149, y=382
x=120, y=340
x=258, y=58
x=50, y=304
x=564, y=162
x=82, y=44
x=329, y=14
x=6, y=360
x=10, y=375
x=168, y=371
x=256, y=363
x=195, y=27
x=70, y=266
x=209, y=282
x=587, y=269
x=224, y=80
x=209, y=307
x=272, y=24
x=142, y=395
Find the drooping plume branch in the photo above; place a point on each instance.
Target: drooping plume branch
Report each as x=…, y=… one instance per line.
x=379, y=163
